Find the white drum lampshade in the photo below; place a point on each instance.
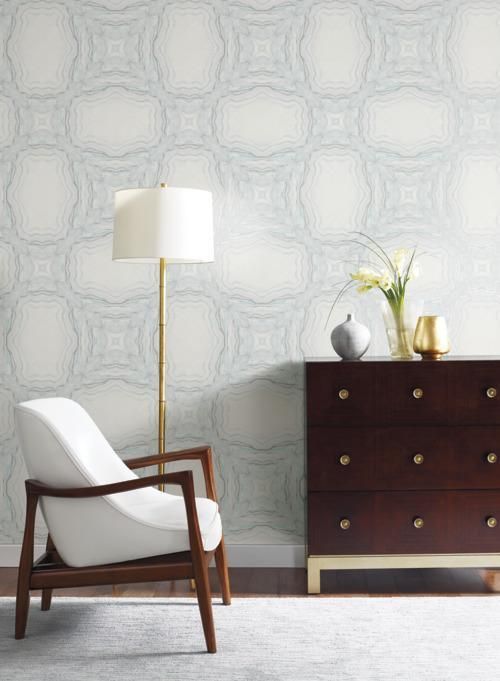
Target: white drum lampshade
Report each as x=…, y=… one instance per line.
x=170, y=223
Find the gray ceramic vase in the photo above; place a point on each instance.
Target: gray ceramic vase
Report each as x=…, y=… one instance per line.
x=351, y=339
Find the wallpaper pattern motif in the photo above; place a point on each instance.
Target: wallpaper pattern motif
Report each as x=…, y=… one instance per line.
x=307, y=119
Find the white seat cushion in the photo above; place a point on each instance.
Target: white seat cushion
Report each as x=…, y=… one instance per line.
x=102, y=533
x=63, y=447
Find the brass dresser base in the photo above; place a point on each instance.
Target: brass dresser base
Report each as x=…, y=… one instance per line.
x=430, y=560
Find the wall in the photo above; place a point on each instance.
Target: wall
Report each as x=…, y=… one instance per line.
x=307, y=119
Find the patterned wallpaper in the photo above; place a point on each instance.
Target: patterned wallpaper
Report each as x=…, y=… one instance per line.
x=307, y=119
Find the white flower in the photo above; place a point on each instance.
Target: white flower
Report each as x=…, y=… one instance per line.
x=370, y=279
x=367, y=276
x=385, y=281
x=363, y=288
x=399, y=258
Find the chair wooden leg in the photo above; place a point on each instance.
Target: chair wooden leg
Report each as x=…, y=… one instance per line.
x=204, y=596
x=46, y=599
x=25, y=568
x=199, y=560
x=222, y=571
x=47, y=593
x=22, y=605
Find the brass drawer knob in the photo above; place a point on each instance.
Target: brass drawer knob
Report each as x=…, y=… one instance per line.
x=418, y=523
x=343, y=394
x=492, y=457
x=418, y=393
x=491, y=393
x=345, y=459
x=491, y=521
x=345, y=524
x=418, y=459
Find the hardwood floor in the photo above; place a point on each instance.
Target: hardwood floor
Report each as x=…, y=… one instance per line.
x=292, y=582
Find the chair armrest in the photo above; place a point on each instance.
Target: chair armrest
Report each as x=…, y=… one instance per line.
x=203, y=454
x=184, y=479
x=36, y=488
x=154, y=459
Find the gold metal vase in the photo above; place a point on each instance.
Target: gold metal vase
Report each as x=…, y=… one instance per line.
x=431, y=337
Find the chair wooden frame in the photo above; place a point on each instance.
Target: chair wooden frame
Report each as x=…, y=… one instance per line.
x=49, y=571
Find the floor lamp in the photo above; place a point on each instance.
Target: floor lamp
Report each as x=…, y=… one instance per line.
x=164, y=225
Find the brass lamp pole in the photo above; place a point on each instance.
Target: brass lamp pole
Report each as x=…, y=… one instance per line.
x=162, y=363
x=162, y=367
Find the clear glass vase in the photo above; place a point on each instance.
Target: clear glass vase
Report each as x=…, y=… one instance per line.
x=400, y=323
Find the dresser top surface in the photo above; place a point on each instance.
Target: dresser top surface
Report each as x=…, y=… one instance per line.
x=371, y=360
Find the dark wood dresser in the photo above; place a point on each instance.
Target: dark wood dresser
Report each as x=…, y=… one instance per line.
x=403, y=464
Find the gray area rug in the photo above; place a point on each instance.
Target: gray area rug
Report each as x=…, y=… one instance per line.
x=289, y=639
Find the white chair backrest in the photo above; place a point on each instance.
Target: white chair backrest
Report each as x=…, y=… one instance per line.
x=63, y=447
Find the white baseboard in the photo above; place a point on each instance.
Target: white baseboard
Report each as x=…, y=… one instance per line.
x=266, y=555
x=239, y=555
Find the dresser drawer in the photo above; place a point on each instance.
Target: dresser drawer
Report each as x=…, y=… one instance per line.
x=386, y=393
x=341, y=458
x=388, y=522
x=438, y=458
x=412, y=393
x=403, y=458
x=326, y=510
x=384, y=459
x=413, y=458
x=340, y=393
x=477, y=454
x=476, y=392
